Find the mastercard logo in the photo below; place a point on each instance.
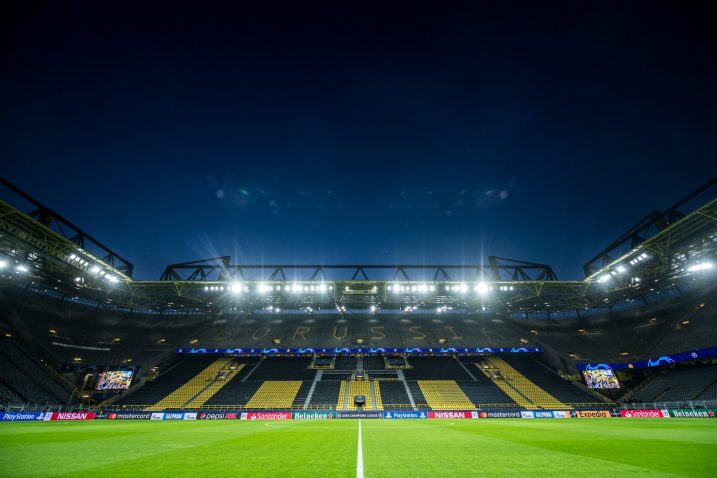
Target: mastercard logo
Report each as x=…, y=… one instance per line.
x=111, y=416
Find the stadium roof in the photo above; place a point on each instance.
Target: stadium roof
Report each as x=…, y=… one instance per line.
x=41, y=249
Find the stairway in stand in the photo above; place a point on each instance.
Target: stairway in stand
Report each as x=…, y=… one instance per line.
x=191, y=388
x=518, y=387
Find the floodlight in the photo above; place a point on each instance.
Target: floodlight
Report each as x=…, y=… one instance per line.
x=482, y=288
x=700, y=266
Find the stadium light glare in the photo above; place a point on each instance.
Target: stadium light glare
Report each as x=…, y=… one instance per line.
x=295, y=287
x=3, y=264
x=235, y=287
x=604, y=278
x=463, y=288
x=21, y=268
x=95, y=270
x=700, y=266
x=621, y=269
x=482, y=288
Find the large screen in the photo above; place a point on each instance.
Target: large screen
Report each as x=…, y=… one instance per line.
x=602, y=378
x=114, y=380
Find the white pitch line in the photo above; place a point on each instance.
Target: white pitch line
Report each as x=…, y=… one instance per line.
x=359, y=459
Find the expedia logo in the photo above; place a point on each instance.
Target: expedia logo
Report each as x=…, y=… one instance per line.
x=593, y=414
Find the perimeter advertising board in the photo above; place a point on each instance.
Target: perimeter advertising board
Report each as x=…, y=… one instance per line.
x=314, y=415
x=403, y=415
x=23, y=416
x=218, y=416
x=693, y=413
x=451, y=415
x=644, y=413
x=499, y=414
x=266, y=416
x=591, y=414
x=70, y=416
x=129, y=416
x=173, y=416
x=359, y=414
x=545, y=414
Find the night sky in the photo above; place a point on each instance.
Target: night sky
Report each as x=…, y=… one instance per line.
x=374, y=133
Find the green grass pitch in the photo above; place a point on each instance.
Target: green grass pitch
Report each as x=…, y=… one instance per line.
x=391, y=448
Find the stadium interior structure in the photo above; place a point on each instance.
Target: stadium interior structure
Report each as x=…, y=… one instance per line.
x=79, y=332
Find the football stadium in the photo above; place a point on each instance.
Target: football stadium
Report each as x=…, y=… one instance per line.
x=359, y=370
x=358, y=239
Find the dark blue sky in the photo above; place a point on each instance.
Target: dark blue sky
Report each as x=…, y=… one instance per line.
x=375, y=134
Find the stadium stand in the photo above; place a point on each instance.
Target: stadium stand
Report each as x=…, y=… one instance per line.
x=174, y=377
x=546, y=379
x=393, y=394
x=373, y=362
x=444, y=395
x=438, y=368
x=679, y=385
x=301, y=395
x=376, y=396
x=710, y=393
x=484, y=392
x=39, y=381
x=345, y=362
x=534, y=396
x=326, y=394
x=359, y=387
x=234, y=394
x=417, y=394
x=23, y=387
x=275, y=394
x=283, y=368
x=192, y=387
x=221, y=378
x=342, y=399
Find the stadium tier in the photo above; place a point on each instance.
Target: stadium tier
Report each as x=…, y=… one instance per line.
x=680, y=385
x=79, y=332
x=444, y=395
